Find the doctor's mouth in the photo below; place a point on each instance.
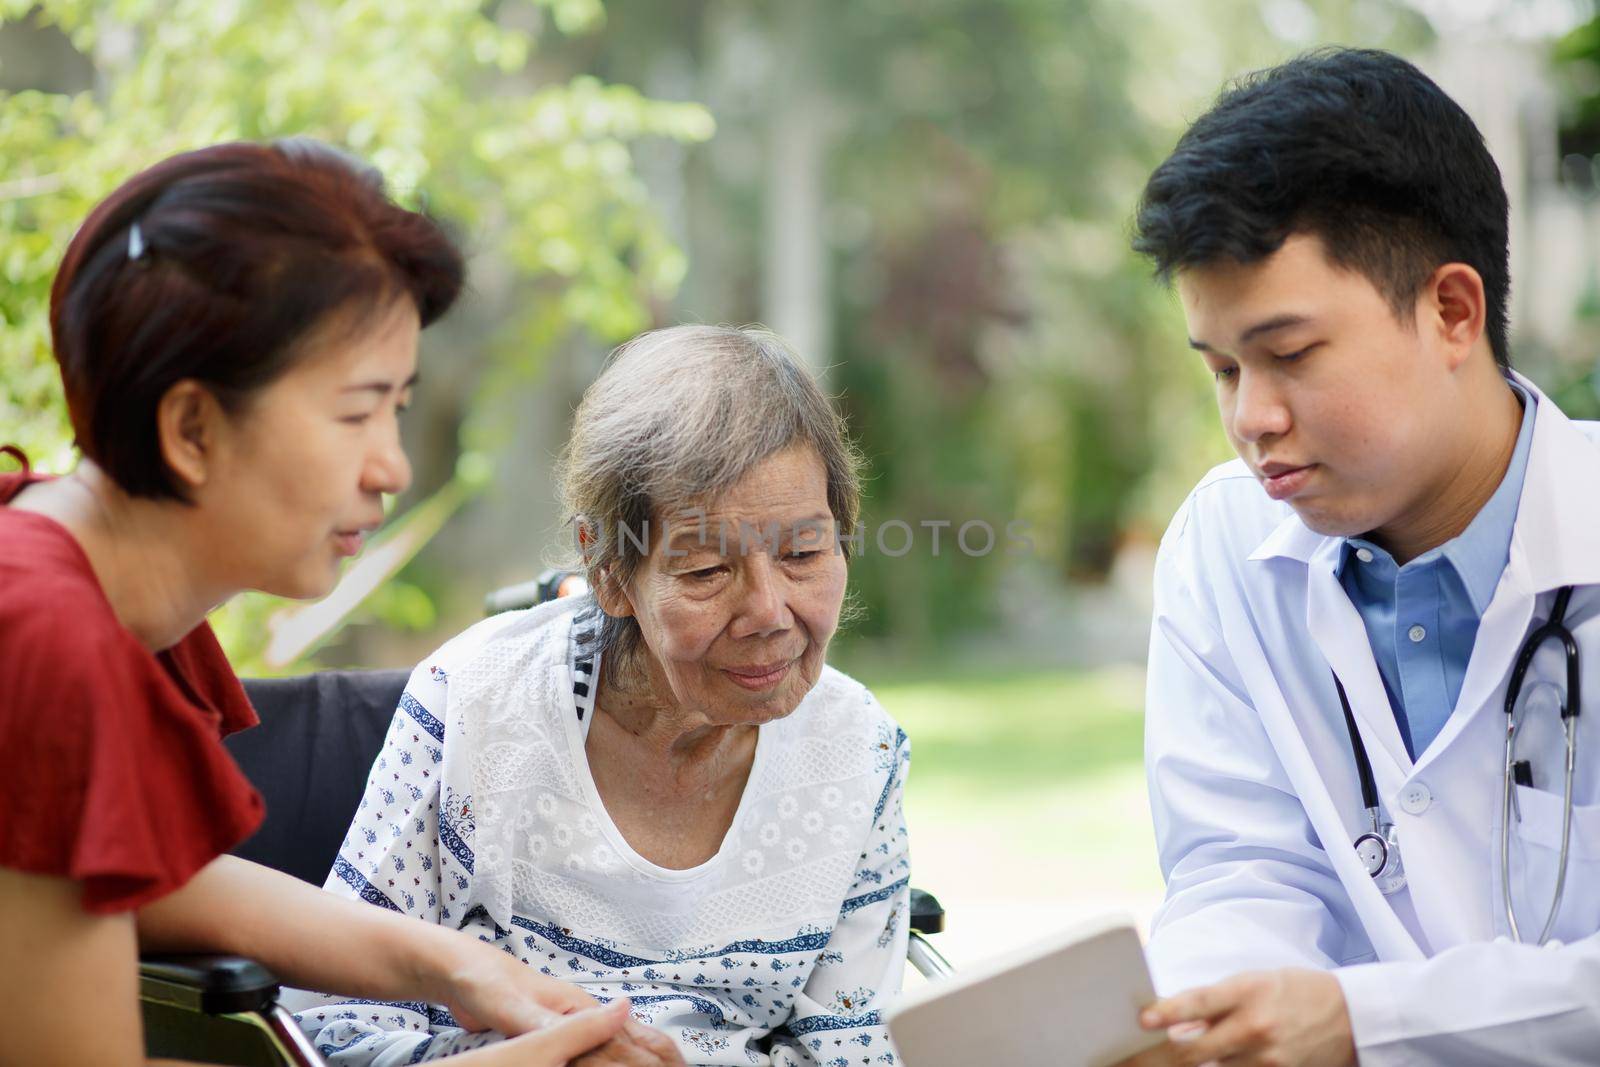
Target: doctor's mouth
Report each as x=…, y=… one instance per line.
x=1284, y=480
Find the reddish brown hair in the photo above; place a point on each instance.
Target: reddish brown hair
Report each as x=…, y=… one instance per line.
x=212, y=266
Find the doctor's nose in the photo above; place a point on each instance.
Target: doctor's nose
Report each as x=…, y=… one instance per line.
x=1258, y=409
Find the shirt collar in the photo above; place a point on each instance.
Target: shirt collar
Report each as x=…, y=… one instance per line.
x=1479, y=552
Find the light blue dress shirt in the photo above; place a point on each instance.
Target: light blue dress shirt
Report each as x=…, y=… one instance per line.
x=1422, y=618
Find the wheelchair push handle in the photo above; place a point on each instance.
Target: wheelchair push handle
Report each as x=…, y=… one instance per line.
x=550, y=585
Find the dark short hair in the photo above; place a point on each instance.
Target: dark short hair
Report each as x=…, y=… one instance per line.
x=1357, y=147
x=241, y=252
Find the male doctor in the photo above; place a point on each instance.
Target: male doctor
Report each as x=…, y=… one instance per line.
x=1404, y=512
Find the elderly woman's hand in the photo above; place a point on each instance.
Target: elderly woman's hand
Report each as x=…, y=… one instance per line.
x=636, y=1046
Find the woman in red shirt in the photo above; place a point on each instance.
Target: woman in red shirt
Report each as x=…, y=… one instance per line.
x=237, y=333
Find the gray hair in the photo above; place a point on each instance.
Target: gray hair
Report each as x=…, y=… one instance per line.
x=677, y=416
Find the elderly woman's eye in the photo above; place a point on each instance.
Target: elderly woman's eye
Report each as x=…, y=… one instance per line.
x=707, y=572
x=803, y=555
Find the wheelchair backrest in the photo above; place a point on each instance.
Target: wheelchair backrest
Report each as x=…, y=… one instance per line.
x=309, y=759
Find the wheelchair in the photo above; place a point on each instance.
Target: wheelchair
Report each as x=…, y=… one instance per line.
x=309, y=759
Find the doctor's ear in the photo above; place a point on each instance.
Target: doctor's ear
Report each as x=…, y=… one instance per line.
x=1453, y=306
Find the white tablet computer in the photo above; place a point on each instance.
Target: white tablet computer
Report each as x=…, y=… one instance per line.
x=1072, y=1000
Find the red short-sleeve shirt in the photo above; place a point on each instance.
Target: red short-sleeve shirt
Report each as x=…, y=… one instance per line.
x=112, y=769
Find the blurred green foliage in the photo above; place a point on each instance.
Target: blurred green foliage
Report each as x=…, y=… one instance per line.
x=1575, y=66
x=1000, y=352
x=427, y=91
x=447, y=97
x=1001, y=355
x=1576, y=62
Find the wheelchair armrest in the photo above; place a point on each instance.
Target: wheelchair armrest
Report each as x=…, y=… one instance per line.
x=215, y=985
x=927, y=914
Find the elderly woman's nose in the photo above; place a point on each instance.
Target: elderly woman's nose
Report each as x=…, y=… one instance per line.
x=763, y=607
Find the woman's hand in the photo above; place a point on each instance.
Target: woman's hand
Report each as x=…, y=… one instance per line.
x=485, y=989
x=557, y=1044
x=601, y=1036
x=236, y=906
x=1294, y=1018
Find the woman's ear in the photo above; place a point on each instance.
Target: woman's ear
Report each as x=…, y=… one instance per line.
x=586, y=538
x=608, y=592
x=611, y=596
x=188, y=423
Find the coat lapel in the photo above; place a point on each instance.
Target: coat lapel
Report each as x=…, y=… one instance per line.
x=1337, y=637
x=1338, y=631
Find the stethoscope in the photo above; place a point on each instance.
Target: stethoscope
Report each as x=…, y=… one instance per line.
x=1379, y=847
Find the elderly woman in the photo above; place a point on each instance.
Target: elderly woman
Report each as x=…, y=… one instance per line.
x=660, y=790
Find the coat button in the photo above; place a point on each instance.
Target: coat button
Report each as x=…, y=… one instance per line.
x=1415, y=798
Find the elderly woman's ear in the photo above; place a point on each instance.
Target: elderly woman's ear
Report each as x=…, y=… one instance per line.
x=607, y=590
x=608, y=593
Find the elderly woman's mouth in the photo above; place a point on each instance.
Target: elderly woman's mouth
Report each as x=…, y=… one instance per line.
x=759, y=676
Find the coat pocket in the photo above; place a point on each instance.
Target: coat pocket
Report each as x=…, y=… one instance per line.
x=1535, y=859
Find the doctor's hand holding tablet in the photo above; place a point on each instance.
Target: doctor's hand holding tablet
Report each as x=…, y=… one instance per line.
x=1083, y=998
x=1288, y=1016
x=1373, y=630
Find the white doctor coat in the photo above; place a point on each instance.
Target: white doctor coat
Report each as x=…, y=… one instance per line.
x=1257, y=801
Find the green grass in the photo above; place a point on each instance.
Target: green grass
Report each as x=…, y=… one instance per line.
x=1026, y=784
x=1000, y=738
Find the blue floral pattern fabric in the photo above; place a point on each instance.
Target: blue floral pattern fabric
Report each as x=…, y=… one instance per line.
x=480, y=814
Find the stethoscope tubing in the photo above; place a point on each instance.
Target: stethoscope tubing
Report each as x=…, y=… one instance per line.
x=1555, y=628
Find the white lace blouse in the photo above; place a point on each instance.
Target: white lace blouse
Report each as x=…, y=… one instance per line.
x=481, y=813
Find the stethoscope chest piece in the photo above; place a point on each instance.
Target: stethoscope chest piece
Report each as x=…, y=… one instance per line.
x=1379, y=851
x=1378, y=848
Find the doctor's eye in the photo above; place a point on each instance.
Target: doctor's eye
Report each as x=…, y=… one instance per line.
x=1225, y=374
x=1290, y=357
